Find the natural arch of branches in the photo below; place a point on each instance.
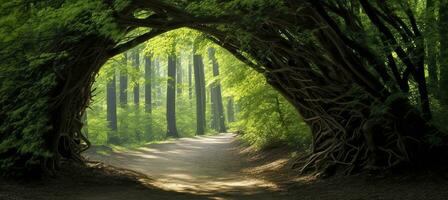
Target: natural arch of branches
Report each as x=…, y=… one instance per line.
x=351, y=88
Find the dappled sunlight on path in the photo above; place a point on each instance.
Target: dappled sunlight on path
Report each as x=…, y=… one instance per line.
x=202, y=165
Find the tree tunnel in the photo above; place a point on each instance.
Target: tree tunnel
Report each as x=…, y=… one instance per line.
x=364, y=97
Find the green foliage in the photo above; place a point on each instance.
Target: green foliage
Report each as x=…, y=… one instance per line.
x=263, y=115
x=265, y=118
x=39, y=41
x=32, y=34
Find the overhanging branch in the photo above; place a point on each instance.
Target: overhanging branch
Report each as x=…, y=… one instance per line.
x=136, y=41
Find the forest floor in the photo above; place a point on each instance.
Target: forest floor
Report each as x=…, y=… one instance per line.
x=214, y=167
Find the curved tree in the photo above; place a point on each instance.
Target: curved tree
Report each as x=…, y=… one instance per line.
x=354, y=70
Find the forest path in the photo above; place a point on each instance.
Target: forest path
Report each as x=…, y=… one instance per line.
x=215, y=167
x=210, y=166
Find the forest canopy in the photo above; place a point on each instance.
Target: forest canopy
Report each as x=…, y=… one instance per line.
x=368, y=78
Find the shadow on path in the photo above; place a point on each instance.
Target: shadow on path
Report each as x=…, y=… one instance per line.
x=205, y=165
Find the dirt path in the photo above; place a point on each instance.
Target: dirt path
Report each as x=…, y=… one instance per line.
x=206, y=165
x=216, y=167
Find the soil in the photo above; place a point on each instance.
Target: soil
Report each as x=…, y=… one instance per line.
x=214, y=167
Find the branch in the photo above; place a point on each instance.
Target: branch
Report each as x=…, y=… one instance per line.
x=362, y=50
x=152, y=22
x=388, y=37
x=161, y=7
x=136, y=41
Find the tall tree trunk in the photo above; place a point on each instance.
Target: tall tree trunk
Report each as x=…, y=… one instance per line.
x=148, y=84
x=148, y=94
x=431, y=45
x=200, y=94
x=124, y=82
x=216, y=95
x=157, y=85
x=112, y=111
x=443, y=57
x=230, y=110
x=171, y=98
x=136, y=63
x=190, y=78
x=213, y=108
x=179, y=76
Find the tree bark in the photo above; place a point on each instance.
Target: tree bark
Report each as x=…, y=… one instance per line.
x=148, y=84
x=200, y=94
x=156, y=85
x=218, y=111
x=443, y=57
x=124, y=82
x=190, y=78
x=431, y=47
x=148, y=94
x=214, y=120
x=179, y=76
x=112, y=111
x=230, y=110
x=171, y=98
x=136, y=63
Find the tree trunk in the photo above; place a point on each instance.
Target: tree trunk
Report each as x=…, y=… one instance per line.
x=217, y=104
x=214, y=110
x=112, y=111
x=230, y=110
x=148, y=84
x=179, y=76
x=136, y=63
x=157, y=85
x=171, y=98
x=431, y=46
x=124, y=82
x=199, y=80
x=190, y=78
x=443, y=57
x=148, y=94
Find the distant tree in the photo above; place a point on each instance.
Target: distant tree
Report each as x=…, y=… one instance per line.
x=112, y=110
x=171, y=98
x=230, y=110
x=148, y=84
x=136, y=63
x=200, y=93
x=190, y=78
x=216, y=96
x=124, y=82
x=148, y=93
x=157, y=86
x=179, y=75
x=214, y=118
